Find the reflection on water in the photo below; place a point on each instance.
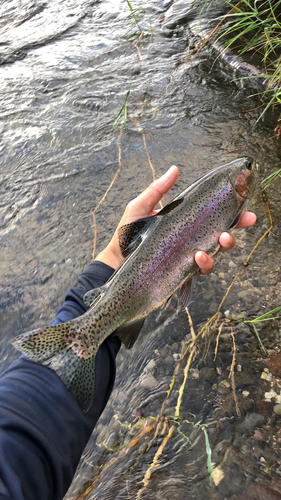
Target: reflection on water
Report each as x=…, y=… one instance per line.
x=65, y=70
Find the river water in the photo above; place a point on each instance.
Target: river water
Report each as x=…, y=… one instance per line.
x=65, y=68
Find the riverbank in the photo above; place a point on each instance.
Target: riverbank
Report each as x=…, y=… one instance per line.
x=253, y=30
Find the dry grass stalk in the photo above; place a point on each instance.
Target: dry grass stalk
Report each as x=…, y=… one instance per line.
x=266, y=232
x=108, y=189
x=232, y=377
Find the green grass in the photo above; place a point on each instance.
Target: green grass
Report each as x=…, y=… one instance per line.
x=269, y=316
x=123, y=114
x=209, y=455
x=134, y=29
x=266, y=183
x=254, y=27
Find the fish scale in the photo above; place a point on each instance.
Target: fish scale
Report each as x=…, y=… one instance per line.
x=159, y=253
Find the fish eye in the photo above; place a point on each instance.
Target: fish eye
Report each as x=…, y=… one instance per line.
x=249, y=165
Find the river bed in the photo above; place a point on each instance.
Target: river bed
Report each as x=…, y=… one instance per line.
x=66, y=67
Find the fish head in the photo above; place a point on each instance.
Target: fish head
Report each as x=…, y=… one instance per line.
x=242, y=175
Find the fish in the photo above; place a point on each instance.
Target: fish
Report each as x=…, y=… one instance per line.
x=158, y=260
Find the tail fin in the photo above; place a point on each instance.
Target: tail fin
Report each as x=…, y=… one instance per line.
x=57, y=348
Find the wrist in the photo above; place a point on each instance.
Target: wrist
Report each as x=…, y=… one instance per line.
x=109, y=257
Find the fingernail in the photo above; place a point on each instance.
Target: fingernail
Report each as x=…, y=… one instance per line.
x=203, y=257
x=167, y=175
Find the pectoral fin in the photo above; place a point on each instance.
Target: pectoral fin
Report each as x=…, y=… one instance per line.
x=171, y=206
x=131, y=235
x=186, y=291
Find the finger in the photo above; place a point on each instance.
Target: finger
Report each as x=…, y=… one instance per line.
x=148, y=199
x=227, y=241
x=205, y=262
x=247, y=219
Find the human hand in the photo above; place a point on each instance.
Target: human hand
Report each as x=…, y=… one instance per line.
x=144, y=206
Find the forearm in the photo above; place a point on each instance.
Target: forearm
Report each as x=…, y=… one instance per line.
x=42, y=430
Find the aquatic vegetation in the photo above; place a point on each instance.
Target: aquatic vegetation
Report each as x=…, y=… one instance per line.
x=209, y=455
x=264, y=317
x=266, y=183
x=123, y=113
x=134, y=29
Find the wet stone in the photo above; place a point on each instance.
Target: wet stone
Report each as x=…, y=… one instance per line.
x=265, y=408
x=249, y=423
x=150, y=365
x=174, y=347
x=208, y=374
x=277, y=409
x=148, y=381
x=224, y=387
x=244, y=378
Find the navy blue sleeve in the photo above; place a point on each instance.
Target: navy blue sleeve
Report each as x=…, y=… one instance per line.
x=42, y=430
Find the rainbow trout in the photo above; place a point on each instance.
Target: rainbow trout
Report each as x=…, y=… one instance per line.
x=159, y=253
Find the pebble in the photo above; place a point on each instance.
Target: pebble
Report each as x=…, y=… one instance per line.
x=194, y=372
x=174, y=347
x=150, y=365
x=223, y=387
x=112, y=440
x=232, y=264
x=277, y=409
x=217, y=475
x=244, y=378
x=268, y=396
x=251, y=421
x=266, y=376
x=148, y=381
x=207, y=373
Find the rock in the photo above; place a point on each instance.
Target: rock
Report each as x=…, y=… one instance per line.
x=266, y=376
x=243, y=378
x=112, y=440
x=265, y=408
x=174, y=347
x=148, y=381
x=194, y=373
x=273, y=363
x=217, y=475
x=150, y=365
x=224, y=387
x=277, y=409
x=209, y=374
x=268, y=396
x=251, y=421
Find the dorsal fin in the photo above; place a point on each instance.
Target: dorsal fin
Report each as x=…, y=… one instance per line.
x=130, y=235
x=92, y=296
x=171, y=206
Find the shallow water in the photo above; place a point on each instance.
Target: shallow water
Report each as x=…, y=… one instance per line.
x=65, y=70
